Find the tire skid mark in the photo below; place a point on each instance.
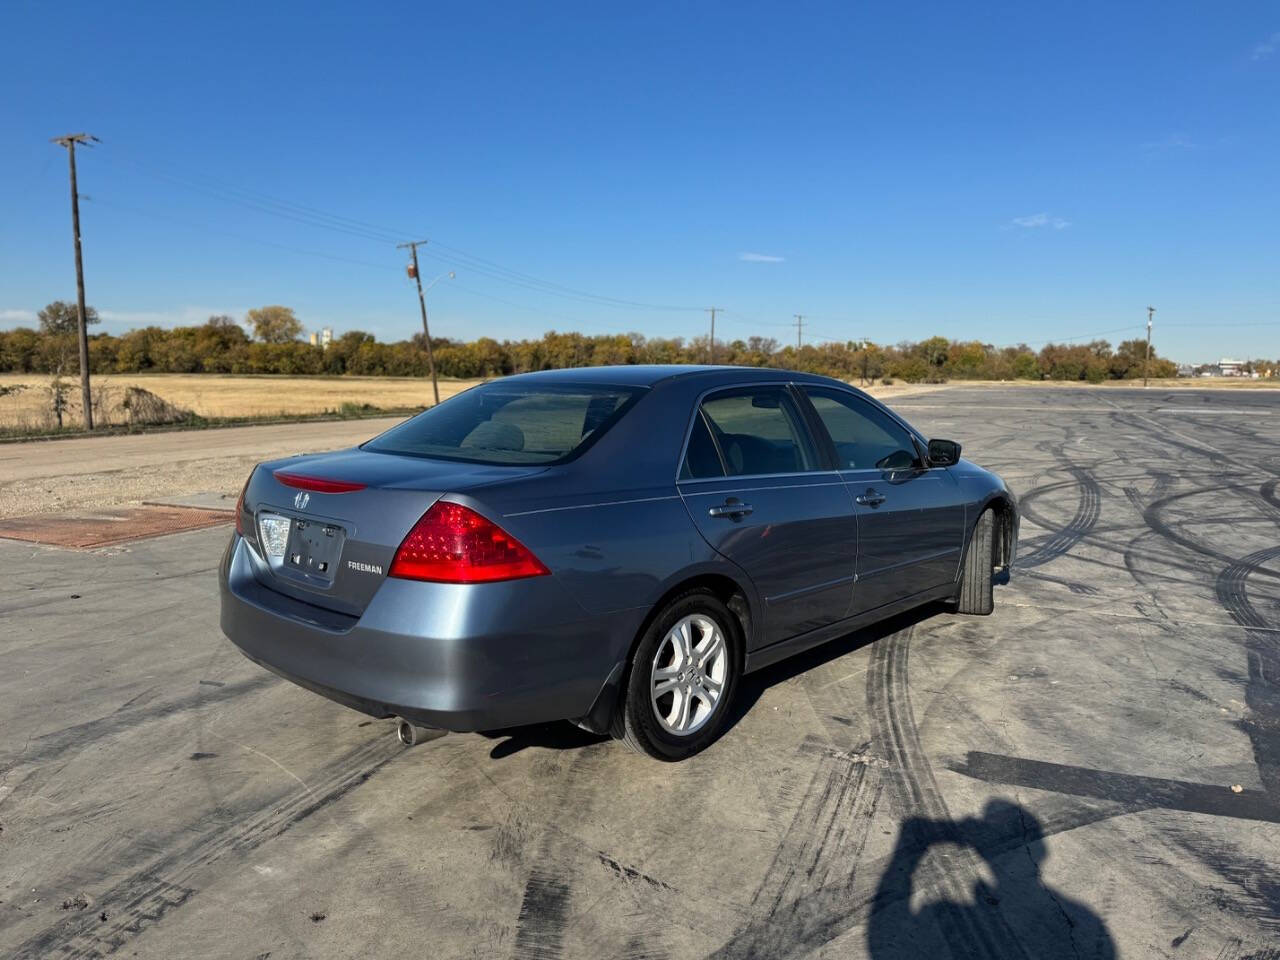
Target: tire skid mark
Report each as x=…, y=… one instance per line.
x=1144, y=425
x=1258, y=899
x=1153, y=519
x=543, y=912
x=1262, y=688
x=984, y=934
x=49, y=746
x=1061, y=541
x=827, y=833
x=1268, y=493
x=143, y=898
x=1163, y=481
x=821, y=910
x=547, y=896
x=823, y=914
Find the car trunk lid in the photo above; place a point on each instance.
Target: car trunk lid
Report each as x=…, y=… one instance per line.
x=327, y=526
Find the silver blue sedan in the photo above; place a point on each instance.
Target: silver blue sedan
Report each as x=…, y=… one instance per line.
x=613, y=546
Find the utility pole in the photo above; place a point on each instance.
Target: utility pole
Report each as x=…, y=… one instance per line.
x=1146, y=366
x=70, y=141
x=799, y=329
x=422, y=302
x=711, y=347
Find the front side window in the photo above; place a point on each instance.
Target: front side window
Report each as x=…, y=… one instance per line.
x=758, y=431
x=864, y=437
x=509, y=423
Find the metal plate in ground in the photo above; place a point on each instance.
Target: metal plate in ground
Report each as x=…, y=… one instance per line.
x=104, y=528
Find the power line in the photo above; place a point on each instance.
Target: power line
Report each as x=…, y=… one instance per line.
x=382, y=267
x=247, y=238
x=316, y=217
x=799, y=329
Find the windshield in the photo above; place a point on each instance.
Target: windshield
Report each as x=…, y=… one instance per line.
x=508, y=423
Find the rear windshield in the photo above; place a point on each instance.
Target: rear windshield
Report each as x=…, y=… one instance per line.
x=499, y=423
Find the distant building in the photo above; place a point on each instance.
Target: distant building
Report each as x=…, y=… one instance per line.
x=1230, y=368
x=323, y=338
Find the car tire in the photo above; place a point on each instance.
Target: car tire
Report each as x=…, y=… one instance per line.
x=650, y=721
x=975, y=579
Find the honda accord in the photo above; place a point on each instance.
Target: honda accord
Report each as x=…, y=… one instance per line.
x=614, y=546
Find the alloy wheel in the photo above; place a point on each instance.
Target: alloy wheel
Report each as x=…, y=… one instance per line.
x=688, y=672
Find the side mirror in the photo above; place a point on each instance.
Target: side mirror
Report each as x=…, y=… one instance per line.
x=943, y=453
x=896, y=462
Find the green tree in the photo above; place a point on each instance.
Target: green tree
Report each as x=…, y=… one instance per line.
x=275, y=324
x=61, y=318
x=933, y=351
x=1025, y=366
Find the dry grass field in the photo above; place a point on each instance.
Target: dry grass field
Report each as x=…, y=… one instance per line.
x=214, y=395
x=222, y=395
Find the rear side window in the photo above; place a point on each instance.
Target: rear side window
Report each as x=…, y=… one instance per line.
x=759, y=431
x=501, y=423
x=864, y=437
x=701, y=459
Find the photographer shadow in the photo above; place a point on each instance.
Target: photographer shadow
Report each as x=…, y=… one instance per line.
x=931, y=906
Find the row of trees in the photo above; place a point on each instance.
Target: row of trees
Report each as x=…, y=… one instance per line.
x=223, y=346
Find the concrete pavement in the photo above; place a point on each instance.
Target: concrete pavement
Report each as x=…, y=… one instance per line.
x=1091, y=771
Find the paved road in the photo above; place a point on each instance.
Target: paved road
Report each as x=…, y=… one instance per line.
x=1056, y=780
x=47, y=476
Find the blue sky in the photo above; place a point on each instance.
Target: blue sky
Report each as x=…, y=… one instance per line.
x=1026, y=172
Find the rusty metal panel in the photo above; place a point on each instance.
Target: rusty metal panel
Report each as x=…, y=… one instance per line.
x=104, y=528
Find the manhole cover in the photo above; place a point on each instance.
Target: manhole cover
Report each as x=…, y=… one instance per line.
x=103, y=528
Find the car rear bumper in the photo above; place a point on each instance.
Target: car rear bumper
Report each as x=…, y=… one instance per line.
x=456, y=656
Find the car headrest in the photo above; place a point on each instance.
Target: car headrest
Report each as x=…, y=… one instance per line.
x=495, y=435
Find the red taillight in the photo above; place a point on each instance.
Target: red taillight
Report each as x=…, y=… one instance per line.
x=240, y=506
x=318, y=484
x=454, y=544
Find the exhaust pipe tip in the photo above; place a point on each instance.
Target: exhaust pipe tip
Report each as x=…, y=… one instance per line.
x=412, y=734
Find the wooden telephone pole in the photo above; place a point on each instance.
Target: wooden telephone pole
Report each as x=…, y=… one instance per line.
x=1146, y=365
x=422, y=302
x=711, y=346
x=70, y=141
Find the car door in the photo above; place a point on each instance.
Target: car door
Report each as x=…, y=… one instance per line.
x=761, y=493
x=910, y=518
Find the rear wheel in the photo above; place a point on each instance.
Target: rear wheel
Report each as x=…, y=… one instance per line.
x=682, y=678
x=975, y=580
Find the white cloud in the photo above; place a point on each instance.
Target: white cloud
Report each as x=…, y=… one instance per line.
x=1267, y=47
x=1040, y=220
x=17, y=318
x=760, y=258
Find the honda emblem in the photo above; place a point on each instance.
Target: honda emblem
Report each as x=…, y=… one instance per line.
x=301, y=500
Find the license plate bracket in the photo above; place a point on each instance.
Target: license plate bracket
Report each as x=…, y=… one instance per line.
x=313, y=550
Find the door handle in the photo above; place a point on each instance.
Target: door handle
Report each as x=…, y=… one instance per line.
x=731, y=510
x=870, y=499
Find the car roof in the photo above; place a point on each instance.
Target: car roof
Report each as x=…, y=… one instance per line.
x=647, y=375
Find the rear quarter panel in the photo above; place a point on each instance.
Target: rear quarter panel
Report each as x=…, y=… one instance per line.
x=611, y=525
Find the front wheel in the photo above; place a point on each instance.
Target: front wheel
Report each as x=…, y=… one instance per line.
x=975, y=580
x=682, y=678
